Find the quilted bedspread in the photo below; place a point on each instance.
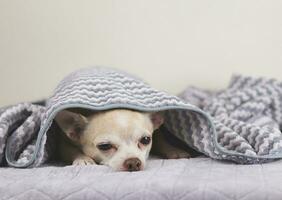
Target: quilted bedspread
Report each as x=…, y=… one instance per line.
x=197, y=178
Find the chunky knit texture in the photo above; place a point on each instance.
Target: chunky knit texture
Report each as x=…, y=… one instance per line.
x=239, y=124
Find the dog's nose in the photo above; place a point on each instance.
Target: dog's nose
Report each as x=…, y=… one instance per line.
x=132, y=164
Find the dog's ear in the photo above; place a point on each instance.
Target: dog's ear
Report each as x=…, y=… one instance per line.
x=72, y=124
x=157, y=119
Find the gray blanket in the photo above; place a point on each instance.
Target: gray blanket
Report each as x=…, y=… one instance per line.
x=240, y=123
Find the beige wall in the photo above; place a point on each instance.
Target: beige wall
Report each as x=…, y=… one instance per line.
x=170, y=43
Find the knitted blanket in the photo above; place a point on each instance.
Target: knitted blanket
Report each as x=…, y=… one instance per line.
x=240, y=123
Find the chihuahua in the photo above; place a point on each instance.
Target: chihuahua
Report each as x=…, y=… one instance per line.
x=119, y=138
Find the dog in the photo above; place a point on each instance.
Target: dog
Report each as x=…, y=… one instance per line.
x=119, y=138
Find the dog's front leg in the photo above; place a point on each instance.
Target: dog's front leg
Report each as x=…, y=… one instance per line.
x=72, y=155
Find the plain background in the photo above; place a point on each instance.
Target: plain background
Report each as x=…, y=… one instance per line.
x=169, y=43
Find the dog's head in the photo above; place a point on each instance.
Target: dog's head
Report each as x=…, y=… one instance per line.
x=119, y=138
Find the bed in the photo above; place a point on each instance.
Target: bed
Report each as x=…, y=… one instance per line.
x=196, y=178
x=240, y=124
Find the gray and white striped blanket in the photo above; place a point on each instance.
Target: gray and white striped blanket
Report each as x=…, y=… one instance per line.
x=240, y=123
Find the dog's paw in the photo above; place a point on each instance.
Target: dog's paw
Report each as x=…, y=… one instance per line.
x=83, y=160
x=176, y=154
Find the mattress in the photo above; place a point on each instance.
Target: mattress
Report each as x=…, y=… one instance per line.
x=196, y=178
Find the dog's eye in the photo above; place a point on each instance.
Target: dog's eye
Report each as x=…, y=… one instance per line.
x=104, y=146
x=145, y=140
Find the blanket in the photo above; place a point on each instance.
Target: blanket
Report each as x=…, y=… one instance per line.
x=240, y=124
